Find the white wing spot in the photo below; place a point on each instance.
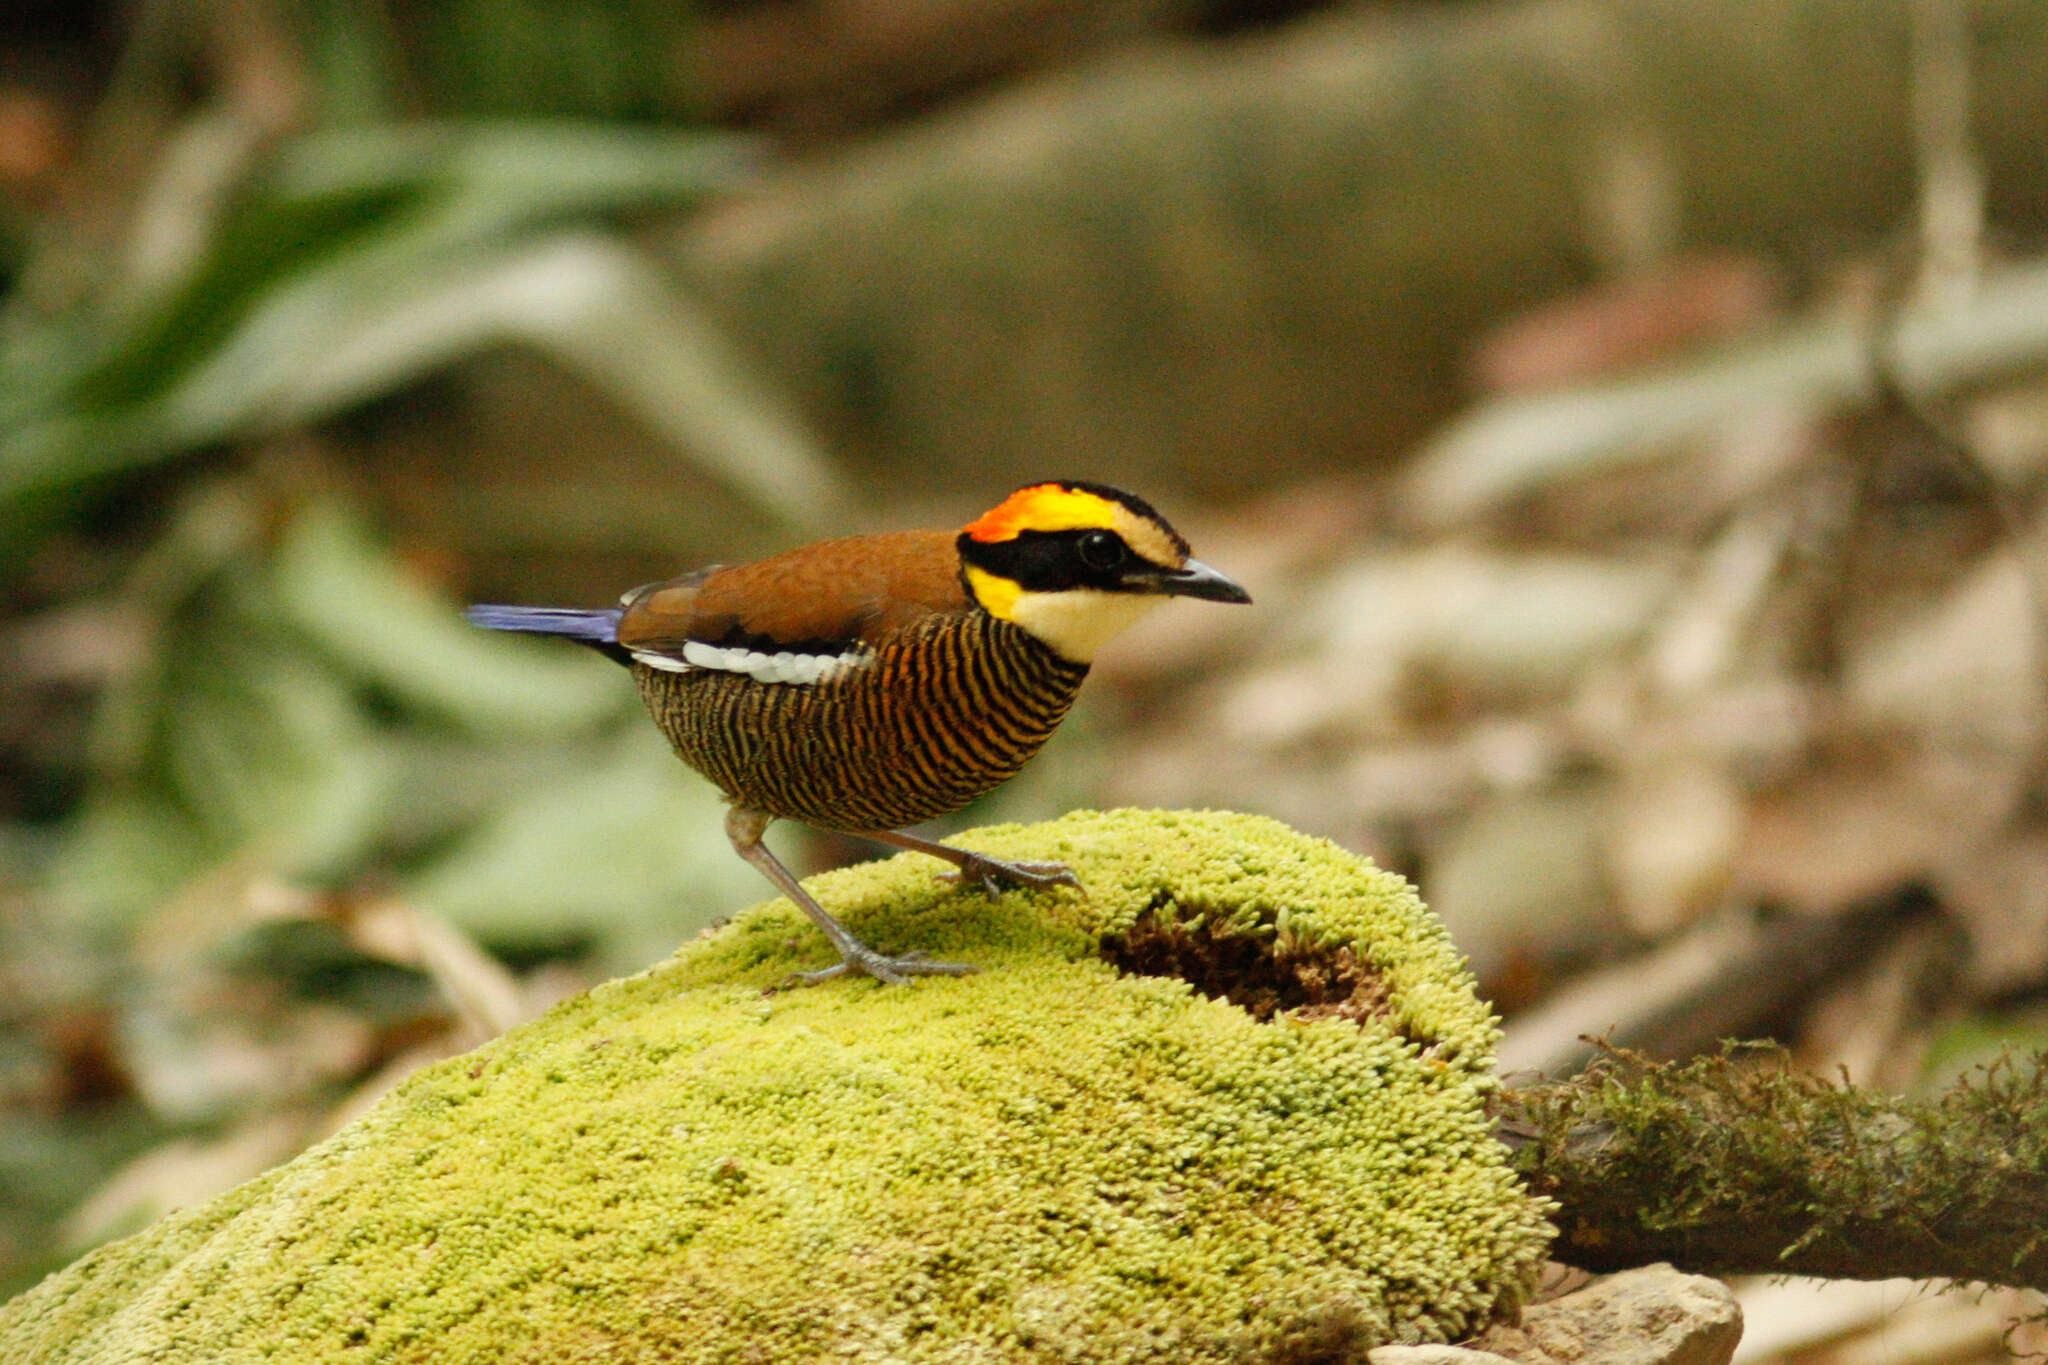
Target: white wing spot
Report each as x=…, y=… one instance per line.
x=782, y=667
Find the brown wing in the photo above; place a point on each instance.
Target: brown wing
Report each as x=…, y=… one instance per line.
x=820, y=599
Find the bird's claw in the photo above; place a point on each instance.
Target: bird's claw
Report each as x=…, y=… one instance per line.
x=995, y=876
x=890, y=971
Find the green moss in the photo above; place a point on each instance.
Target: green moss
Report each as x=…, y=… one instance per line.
x=1052, y=1159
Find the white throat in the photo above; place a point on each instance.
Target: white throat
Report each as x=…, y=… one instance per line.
x=1078, y=622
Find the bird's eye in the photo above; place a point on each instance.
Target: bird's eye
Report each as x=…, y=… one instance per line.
x=1102, y=549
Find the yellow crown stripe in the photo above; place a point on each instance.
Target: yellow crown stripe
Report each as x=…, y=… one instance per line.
x=1044, y=507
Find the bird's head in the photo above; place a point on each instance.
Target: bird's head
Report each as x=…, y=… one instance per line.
x=1074, y=563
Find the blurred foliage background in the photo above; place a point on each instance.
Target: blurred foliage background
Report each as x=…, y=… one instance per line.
x=1631, y=416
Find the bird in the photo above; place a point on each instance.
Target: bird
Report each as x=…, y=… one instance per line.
x=874, y=682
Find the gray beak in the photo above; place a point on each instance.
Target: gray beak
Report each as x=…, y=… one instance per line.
x=1196, y=579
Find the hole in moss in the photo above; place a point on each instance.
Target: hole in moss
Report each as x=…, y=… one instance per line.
x=1254, y=972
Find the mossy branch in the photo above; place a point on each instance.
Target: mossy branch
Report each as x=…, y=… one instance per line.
x=1741, y=1164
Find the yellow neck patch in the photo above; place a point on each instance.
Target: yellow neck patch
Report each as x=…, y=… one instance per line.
x=997, y=595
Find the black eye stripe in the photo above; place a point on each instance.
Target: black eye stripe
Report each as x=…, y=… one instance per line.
x=1049, y=561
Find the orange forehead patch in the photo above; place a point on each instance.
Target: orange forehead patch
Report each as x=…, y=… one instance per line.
x=1045, y=507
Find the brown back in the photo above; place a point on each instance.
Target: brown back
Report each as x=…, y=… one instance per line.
x=822, y=598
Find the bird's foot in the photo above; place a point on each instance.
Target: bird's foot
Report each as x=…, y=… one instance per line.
x=996, y=876
x=890, y=971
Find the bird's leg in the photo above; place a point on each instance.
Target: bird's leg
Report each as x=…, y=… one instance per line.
x=994, y=875
x=745, y=828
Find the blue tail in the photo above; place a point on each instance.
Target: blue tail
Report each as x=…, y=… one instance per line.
x=599, y=626
x=596, y=627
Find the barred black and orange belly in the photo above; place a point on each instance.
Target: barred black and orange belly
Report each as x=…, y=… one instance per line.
x=944, y=711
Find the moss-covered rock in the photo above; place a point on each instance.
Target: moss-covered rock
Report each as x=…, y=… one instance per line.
x=1074, y=1155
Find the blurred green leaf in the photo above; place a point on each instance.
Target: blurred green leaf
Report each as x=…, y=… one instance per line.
x=340, y=591
x=270, y=751
x=354, y=60
x=267, y=242
x=628, y=855
x=363, y=258
x=316, y=713
x=129, y=849
x=616, y=58
x=497, y=177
